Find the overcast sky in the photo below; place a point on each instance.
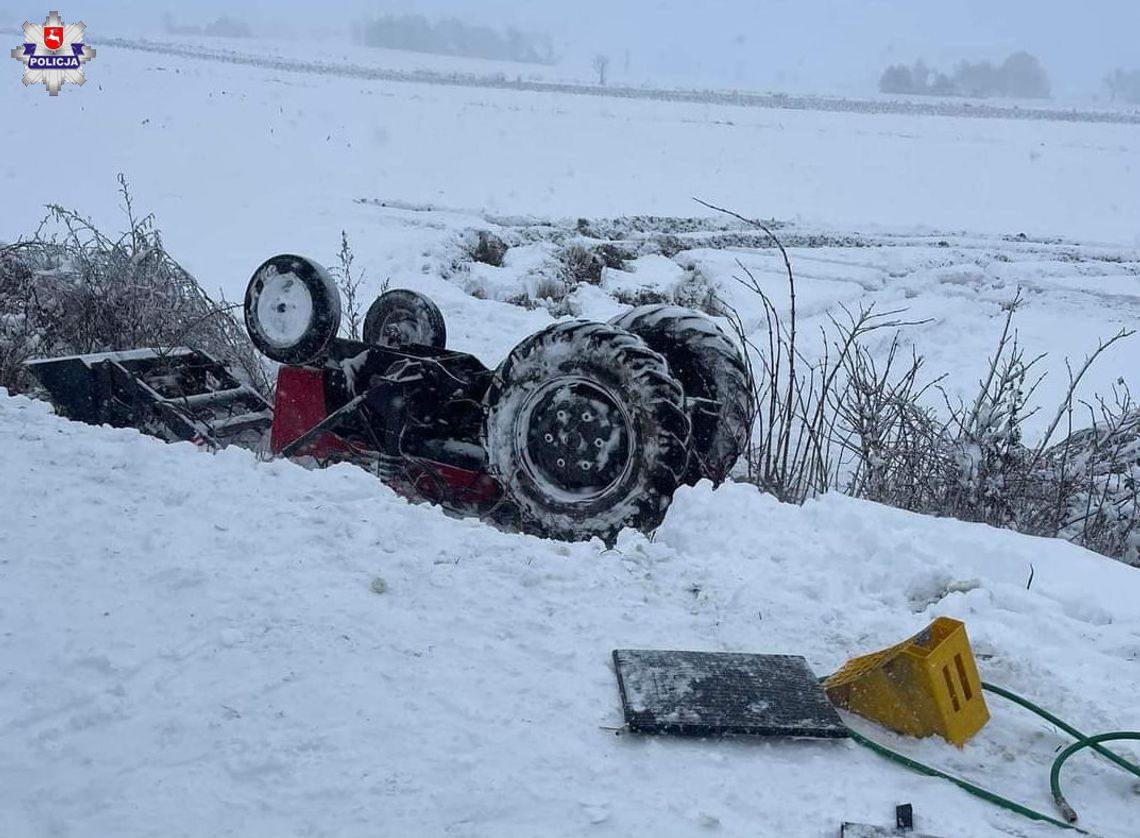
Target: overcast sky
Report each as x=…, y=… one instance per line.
x=820, y=45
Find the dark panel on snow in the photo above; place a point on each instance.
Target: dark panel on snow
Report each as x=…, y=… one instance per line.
x=719, y=693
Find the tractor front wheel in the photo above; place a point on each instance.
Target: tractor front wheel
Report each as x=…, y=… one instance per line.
x=401, y=317
x=292, y=309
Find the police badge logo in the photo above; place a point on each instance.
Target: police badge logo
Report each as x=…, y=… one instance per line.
x=54, y=53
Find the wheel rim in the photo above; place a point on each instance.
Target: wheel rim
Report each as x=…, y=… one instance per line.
x=400, y=328
x=575, y=438
x=284, y=308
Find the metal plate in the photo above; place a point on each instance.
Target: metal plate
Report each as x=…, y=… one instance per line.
x=719, y=693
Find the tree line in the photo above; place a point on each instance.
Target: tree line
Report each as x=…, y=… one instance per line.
x=1020, y=76
x=454, y=37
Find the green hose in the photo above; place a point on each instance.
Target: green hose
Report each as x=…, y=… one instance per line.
x=1053, y=720
x=965, y=785
x=1082, y=742
x=1088, y=742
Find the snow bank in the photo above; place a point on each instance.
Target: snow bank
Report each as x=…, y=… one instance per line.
x=193, y=644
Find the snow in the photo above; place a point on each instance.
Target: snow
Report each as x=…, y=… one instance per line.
x=124, y=356
x=242, y=162
x=203, y=644
x=239, y=163
x=195, y=644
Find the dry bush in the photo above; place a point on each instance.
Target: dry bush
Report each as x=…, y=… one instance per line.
x=580, y=264
x=848, y=422
x=348, y=283
x=71, y=289
x=895, y=448
x=487, y=248
x=801, y=446
x=1094, y=475
x=550, y=289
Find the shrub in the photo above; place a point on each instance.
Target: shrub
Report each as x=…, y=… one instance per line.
x=488, y=249
x=581, y=265
x=70, y=289
x=847, y=422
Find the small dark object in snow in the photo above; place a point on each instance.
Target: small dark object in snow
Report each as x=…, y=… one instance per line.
x=904, y=817
x=720, y=693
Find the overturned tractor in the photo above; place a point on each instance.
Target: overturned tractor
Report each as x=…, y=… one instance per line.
x=585, y=428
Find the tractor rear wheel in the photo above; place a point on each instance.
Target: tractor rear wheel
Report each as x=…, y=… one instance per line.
x=586, y=430
x=719, y=394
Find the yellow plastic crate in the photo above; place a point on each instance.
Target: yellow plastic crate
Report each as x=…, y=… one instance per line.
x=928, y=684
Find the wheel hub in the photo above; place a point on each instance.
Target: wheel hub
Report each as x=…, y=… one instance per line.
x=284, y=308
x=400, y=329
x=575, y=435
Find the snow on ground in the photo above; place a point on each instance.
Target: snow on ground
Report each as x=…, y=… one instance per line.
x=238, y=161
x=192, y=645
x=242, y=162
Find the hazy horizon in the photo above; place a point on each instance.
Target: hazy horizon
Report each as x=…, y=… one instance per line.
x=825, y=46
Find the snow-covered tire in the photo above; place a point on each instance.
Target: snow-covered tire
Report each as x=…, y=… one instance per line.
x=719, y=395
x=586, y=431
x=401, y=317
x=292, y=309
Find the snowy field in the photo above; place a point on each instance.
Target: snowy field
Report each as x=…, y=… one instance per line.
x=191, y=644
x=239, y=163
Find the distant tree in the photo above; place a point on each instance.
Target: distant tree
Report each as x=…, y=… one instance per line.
x=942, y=85
x=897, y=79
x=601, y=67
x=1020, y=75
x=228, y=27
x=920, y=74
x=978, y=80
x=900, y=78
x=223, y=27
x=1124, y=85
x=454, y=37
x=1114, y=81
x=172, y=26
x=1024, y=77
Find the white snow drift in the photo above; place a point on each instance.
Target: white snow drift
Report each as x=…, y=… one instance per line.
x=192, y=644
